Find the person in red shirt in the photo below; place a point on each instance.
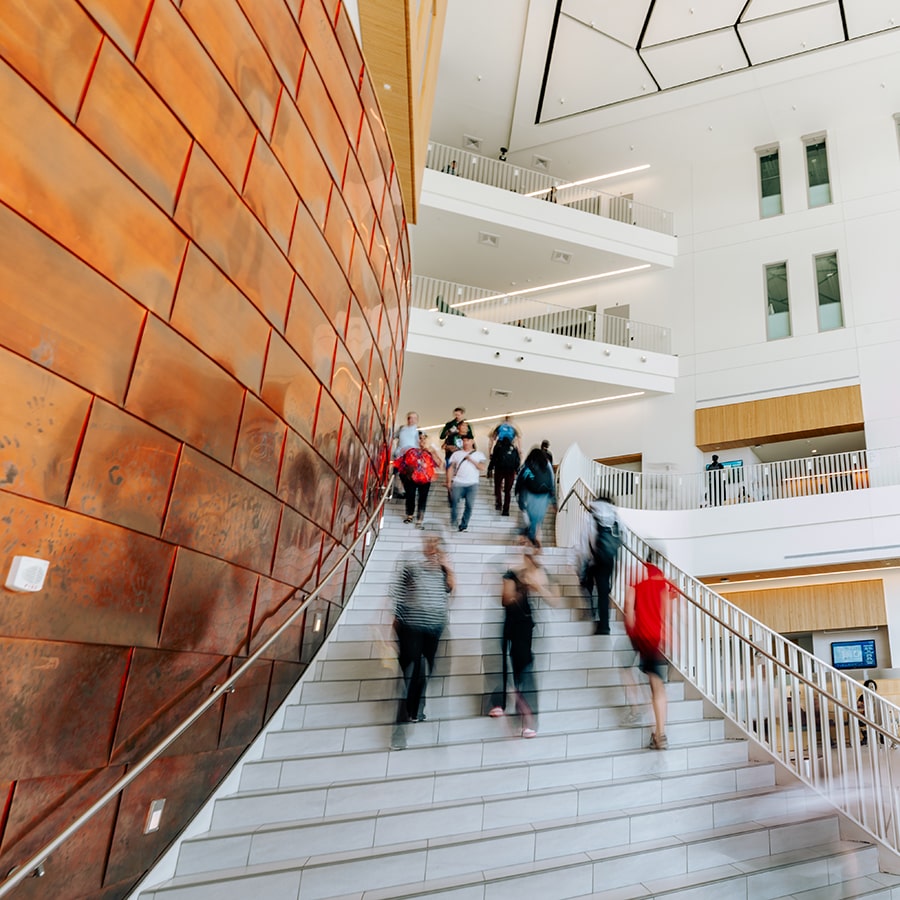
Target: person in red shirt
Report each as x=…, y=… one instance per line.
x=646, y=611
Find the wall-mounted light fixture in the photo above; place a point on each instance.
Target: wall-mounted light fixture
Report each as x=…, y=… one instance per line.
x=318, y=622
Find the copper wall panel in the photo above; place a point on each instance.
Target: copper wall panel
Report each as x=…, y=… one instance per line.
x=270, y=194
x=346, y=382
x=232, y=237
x=225, y=32
x=125, y=470
x=105, y=584
x=52, y=45
x=162, y=689
x=284, y=676
x=310, y=332
x=349, y=49
x=41, y=808
x=213, y=314
x=275, y=605
x=86, y=204
x=359, y=340
x=297, y=552
x=217, y=512
x=340, y=232
x=358, y=202
x=276, y=26
x=260, y=444
x=325, y=50
x=122, y=20
x=176, y=65
x=185, y=782
x=316, y=265
x=131, y=125
x=296, y=150
x=209, y=606
x=321, y=119
x=328, y=429
x=370, y=163
x=307, y=482
x=72, y=733
x=244, y=709
x=41, y=420
x=184, y=393
x=55, y=308
x=289, y=387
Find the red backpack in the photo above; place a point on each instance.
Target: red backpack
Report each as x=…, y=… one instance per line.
x=417, y=465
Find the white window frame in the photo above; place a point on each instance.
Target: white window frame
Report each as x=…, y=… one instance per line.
x=768, y=207
x=817, y=194
x=778, y=322
x=832, y=319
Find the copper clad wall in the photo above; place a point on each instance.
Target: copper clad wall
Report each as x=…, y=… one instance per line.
x=204, y=285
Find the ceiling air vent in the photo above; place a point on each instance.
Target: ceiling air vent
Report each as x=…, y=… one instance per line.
x=488, y=239
x=500, y=392
x=560, y=256
x=540, y=162
x=471, y=143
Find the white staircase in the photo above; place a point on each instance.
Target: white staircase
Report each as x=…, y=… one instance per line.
x=470, y=810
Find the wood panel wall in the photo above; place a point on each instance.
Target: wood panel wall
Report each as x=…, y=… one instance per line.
x=846, y=604
x=402, y=46
x=784, y=418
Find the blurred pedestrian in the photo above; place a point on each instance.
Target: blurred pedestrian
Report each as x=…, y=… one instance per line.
x=646, y=612
x=598, y=556
x=520, y=587
x=545, y=446
x=420, y=591
x=535, y=490
x=464, y=470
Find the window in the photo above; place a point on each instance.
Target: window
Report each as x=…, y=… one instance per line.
x=769, y=182
x=778, y=319
x=828, y=289
x=817, y=172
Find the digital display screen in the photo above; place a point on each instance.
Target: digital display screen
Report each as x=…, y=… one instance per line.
x=853, y=655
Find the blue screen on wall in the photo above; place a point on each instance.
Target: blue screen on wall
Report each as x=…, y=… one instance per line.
x=853, y=654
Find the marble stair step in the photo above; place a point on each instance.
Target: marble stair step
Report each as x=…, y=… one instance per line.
x=720, y=815
x=677, y=863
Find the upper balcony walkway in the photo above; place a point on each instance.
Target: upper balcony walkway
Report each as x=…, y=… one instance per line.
x=525, y=309
x=540, y=185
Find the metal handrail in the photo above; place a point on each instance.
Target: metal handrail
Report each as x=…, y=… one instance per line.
x=831, y=732
x=531, y=311
x=34, y=864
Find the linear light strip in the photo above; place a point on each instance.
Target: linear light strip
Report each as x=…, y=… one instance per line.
x=569, y=184
x=540, y=409
x=547, y=287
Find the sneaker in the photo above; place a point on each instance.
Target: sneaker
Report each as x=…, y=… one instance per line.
x=496, y=712
x=659, y=743
x=462, y=528
x=528, y=733
x=407, y=520
x=420, y=524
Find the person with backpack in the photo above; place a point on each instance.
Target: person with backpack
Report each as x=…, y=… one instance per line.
x=417, y=468
x=599, y=555
x=535, y=490
x=503, y=466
